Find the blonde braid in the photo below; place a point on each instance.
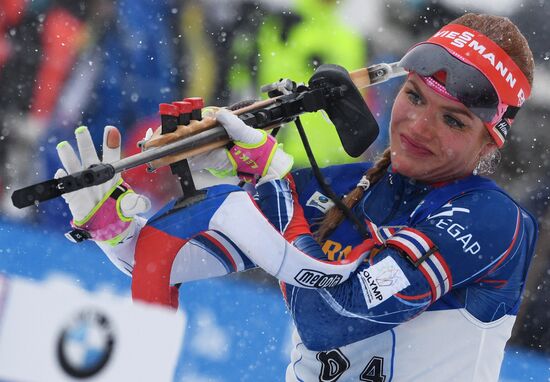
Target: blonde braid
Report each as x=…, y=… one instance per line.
x=335, y=216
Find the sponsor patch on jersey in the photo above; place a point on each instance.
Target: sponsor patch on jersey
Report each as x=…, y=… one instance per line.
x=381, y=281
x=315, y=279
x=448, y=211
x=319, y=201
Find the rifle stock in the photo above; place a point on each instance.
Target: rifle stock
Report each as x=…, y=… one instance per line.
x=195, y=127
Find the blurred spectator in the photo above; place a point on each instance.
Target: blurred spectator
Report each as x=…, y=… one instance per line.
x=39, y=44
x=291, y=43
x=128, y=66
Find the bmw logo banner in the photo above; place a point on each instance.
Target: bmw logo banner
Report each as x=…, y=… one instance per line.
x=55, y=331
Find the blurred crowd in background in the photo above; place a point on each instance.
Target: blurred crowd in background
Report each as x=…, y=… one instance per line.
x=68, y=63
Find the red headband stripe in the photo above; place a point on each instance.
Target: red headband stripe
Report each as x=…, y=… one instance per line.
x=481, y=52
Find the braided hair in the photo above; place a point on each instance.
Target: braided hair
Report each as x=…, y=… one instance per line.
x=335, y=216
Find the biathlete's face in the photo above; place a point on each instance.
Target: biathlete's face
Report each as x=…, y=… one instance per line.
x=433, y=138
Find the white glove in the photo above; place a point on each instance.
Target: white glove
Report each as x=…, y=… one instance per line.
x=104, y=212
x=249, y=144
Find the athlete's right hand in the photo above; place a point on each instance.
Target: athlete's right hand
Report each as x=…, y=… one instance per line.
x=103, y=213
x=254, y=157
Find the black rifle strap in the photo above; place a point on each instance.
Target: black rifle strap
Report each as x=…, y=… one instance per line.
x=324, y=185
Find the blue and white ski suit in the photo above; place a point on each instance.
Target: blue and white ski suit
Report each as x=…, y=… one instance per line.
x=431, y=295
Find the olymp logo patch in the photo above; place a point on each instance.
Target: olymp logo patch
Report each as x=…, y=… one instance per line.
x=381, y=281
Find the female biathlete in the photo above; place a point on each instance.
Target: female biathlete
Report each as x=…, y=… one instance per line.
x=433, y=291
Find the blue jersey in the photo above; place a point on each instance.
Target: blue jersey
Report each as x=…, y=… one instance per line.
x=438, y=296
x=430, y=294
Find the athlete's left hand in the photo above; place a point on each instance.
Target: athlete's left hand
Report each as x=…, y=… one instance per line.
x=104, y=212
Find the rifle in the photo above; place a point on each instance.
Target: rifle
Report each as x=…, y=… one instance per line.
x=331, y=88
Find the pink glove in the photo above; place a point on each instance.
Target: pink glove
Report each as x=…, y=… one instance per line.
x=251, y=161
x=255, y=154
x=103, y=213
